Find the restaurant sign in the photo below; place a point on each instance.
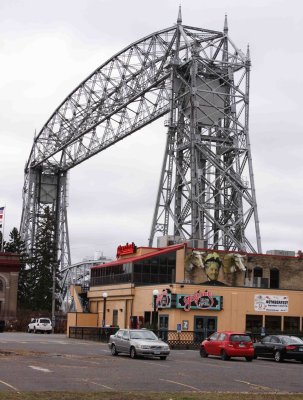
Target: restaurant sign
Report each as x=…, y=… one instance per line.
x=128, y=248
x=163, y=299
x=199, y=301
x=271, y=303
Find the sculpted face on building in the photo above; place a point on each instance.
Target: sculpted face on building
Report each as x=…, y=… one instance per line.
x=212, y=265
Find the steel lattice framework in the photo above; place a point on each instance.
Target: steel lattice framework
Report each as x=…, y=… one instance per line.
x=201, y=80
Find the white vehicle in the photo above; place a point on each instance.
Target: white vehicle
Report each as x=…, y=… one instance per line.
x=40, y=325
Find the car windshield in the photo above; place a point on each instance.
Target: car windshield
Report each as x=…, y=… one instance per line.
x=240, y=338
x=44, y=321
x=291, y=340
x=146, y=335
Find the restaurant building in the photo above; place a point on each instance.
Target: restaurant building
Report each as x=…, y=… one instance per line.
x=180, y=288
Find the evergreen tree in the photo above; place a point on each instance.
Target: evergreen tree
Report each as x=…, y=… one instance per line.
x=17, y=245
x=43, y=262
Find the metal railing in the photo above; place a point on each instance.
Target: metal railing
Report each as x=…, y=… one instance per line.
x=91, y=333
x=185, y=340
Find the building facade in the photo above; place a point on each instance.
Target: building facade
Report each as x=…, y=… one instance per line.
x=178, y=288
x=9, y=272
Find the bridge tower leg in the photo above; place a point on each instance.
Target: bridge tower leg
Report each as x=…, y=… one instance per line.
x=206, y=193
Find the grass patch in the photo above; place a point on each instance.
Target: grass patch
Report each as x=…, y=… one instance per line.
x=145, y=396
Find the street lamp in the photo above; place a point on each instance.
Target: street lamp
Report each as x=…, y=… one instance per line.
x=155, y=314
x=104, y=295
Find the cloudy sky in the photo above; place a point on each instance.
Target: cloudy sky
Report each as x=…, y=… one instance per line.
x=47, y=47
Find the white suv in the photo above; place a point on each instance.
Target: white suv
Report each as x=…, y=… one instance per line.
x=40, y=325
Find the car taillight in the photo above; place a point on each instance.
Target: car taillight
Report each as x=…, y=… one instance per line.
x=290, y=347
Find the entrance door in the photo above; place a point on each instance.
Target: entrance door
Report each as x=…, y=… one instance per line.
x=204, y=327
x=163, y=327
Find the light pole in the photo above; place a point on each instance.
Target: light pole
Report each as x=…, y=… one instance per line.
x=104, y=295
x=155, y=316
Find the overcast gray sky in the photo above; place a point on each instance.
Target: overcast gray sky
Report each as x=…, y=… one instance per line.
x=48, y=47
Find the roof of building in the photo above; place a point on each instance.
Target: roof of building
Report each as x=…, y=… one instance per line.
x=156, y=252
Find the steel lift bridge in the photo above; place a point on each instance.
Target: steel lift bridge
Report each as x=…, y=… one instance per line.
x=199, y=79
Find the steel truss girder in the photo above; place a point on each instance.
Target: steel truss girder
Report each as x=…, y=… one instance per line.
x=124, y=94
x=146, y=80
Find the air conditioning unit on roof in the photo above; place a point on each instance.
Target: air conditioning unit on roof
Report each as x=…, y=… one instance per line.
x=168, y=240
x=197, y=243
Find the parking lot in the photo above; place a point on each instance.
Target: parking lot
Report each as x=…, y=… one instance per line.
x=37, y=362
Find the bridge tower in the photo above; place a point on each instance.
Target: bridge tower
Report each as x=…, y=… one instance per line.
x=207, y=190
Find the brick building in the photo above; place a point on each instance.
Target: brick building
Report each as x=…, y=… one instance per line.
x=9, y=272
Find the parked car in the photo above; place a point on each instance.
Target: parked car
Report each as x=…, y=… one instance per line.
x=40, y=325
x=138, y=342
x=228, y=344
x=280, y=347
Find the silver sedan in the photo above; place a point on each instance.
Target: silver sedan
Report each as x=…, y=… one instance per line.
x=138, y=342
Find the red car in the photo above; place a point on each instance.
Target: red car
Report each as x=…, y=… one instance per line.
x=228, y=344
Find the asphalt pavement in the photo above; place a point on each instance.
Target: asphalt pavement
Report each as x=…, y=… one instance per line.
x=40, y=362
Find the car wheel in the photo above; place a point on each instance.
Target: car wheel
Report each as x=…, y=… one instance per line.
x=132, y=353
x=224, y=356
x=203, y=353
x=28, y=330
x=249, y=358
x=163, y=358
x=278, y=356
x=114, y=350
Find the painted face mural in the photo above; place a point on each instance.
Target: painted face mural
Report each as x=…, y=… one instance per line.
x=212, y=265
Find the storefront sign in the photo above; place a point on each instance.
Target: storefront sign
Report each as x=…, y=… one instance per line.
x=128, y=248
x=199, y=300
x=163, y=300
x=271, y=303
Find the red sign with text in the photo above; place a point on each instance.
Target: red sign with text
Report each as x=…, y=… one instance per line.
x=128, y=248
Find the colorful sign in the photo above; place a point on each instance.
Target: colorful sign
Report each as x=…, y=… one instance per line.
x=128, y=248
x=271, y=303
x=199, y=301
x=163, y=300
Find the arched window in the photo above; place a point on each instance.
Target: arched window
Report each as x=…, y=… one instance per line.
x=1, y=285
x=274, y=278
x=258, y=272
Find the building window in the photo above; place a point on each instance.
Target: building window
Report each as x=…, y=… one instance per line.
x=1, y=285
x=154, y=270
x=274, y=278
x=272, y=324
x=253, y=323
x=291, y=324
x=258, y=272
x=115, y=317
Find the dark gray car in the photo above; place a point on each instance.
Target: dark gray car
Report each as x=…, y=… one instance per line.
x=280, y=347
x=138, y=342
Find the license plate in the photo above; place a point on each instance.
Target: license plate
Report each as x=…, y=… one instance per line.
x=241, y=345
x=157, y=352
x=300, y=348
